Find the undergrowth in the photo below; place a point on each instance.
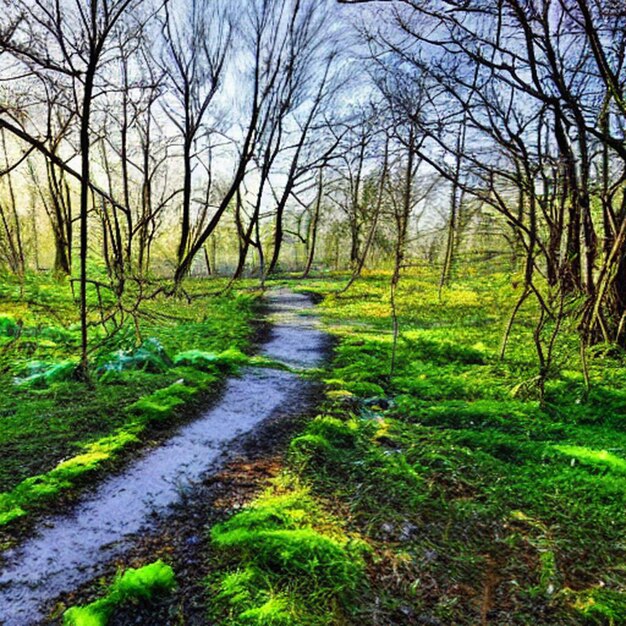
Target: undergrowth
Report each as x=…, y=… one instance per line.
x=441, y=493
x=481, y=504
x=284, y=561
x=55, y=428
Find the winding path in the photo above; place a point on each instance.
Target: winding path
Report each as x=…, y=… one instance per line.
x=73, y=548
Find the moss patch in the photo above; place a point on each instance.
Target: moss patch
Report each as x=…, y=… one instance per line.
x=133, y=586
x=276, y=567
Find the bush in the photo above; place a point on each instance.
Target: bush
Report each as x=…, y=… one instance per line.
x=39, y=374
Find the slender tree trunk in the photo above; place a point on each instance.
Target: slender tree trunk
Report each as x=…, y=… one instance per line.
x=207, y=261
x=312, y=236
x=454, y=208
x=185, y=218
x=402, y=220
x=84, y=212
x=377, y=211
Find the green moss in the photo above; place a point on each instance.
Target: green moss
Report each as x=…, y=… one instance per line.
x=288, y=572
x=548, y=571
x=96, y=614
x=365, y=389
x=292, y=552
x=335, y=451
x=442, y=352
x=201, y=379
x=276, y=611
x=145, y=582
x=10, y=513
x=596, y=458
x=43, y=487
x=113, y=443
x=163, y=403
x=506, y=415
x=134, y=585
x=208, y=361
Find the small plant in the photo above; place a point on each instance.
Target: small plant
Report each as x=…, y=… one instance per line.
x=150, y=356
x=600, y=606
x=8, y=326
x=38, y=374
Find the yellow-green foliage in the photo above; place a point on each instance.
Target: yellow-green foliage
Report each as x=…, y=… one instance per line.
x=38, y=374
x=597, y=458
x=601, y=606
x=144, y=582
x=134, y=585
x=162, y=404
x=229, y=359
x=287, y=572
x=464, y=434
x=53, y=412
x=356, y=450
x=9, y=509
x=8, y=326
x=15, y=503
x=276, y=611
x=155, y=407
x=150, y=356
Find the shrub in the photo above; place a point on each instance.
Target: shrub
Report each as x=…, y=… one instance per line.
x=41, y=374
x=149, y=357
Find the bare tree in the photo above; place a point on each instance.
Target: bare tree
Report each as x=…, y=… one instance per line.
x=74, y=44
x=271, y=31
x=197, y=41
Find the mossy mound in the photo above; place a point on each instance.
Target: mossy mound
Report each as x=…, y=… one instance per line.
x=133, y=586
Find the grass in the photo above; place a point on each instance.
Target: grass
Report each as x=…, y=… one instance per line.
x=444, y=492
x=480, y=504
x=54, y=428
x=133, y=586
x=276, y=567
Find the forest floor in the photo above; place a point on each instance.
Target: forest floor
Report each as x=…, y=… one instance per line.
x=443, y=493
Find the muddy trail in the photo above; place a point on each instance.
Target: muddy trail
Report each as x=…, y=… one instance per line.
x=71, y=549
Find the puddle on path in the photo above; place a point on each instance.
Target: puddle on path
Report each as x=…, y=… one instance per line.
x=73, y=548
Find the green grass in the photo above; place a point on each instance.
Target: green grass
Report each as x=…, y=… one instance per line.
x=274, y=566
x=133, y=586
x=477, y=499
x=52, y=426
x=444, y=493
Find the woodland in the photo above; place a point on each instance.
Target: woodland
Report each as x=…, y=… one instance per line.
x=312, y=312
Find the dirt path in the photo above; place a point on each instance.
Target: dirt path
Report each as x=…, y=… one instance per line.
x=73, y=548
